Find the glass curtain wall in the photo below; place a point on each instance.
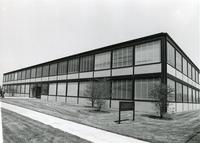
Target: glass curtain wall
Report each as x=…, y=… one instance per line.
x=148, y=53
x=122, y=57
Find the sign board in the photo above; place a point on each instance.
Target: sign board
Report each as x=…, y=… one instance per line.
x=126, y=106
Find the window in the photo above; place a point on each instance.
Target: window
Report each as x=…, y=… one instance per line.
x=178, y=92
x=62, y=68
x=193, y=96
x=122, y=57
x=52, y=89
x=23, y=88
x=197, y=97
x=147, y=53
x=86, y=64
x=18, y=88
x=184, y=66
x=170, y=54
x=16, y=76
x=8, y=77
x=189, y=71
x=39, y=72
x=45, y=89
x=27, y=89
x=72, y=89
x=197, y=77
x=61, y=89
x=4, y=78
x=178, y=61
x=122, y=89
x=193, y=73
x=28, y=74
x=11, y=77
x=83, y=87
x=53, y=70
x=102, y=61
x=143, y=88
x=19, y=75
x=33, y=73
x=189, y=94
x=171, y=84
x=73, y=65
x=45, y=71
x=185, y=98
x=23, y=74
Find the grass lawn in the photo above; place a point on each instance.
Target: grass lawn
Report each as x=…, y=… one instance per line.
x=180, y=129
x=19, y=129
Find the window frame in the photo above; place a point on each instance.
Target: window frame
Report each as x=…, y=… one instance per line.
x=149, y=63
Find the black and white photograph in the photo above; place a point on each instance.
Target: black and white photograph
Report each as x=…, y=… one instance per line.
x=99, y=71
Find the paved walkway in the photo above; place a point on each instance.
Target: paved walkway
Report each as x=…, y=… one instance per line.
x=86, y=132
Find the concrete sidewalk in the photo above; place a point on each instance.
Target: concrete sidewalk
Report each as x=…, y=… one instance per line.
x=86, y=132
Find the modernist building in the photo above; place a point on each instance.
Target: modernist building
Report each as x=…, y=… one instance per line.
x=132, y=67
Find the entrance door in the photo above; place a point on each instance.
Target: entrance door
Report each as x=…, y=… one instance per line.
x=38, y=92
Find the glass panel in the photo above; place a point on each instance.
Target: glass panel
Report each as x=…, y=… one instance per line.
x=189, y=94
x=72, y=89
x=53, y=70
x=122, y=57
x=178, y=61
x=194, y=96
x=33, y=73
x=39, y=72
x=45, y=89
x=45, y=71
x=185, y=98
x=193, y=73
x=178, y=92
x=197, y=77
x=102, y=61
x=23, y=74
x=86, y=64
x=61, y=89
x=62, y=68
x=83, y=87
x=189, y=71
x=147, y=53
x=122, y=89
x=143, y=88
x=52, y=89
x=170, y=54
x=28, y=74
x=184, y=66
x=23, y=88
x=27, y=89
x=19, y=75
x=171, y=84
x=73, y=66
x=18, y=88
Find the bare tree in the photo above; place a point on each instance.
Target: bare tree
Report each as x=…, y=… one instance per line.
x=2, y=92
x=98, y=93
x=160, y=92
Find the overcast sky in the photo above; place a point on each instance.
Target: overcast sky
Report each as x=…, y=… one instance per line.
x=35, y=31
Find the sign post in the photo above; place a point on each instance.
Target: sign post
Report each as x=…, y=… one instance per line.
x=126, y=106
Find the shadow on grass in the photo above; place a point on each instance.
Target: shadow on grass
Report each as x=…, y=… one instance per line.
x=157, y=117
x=97, y=111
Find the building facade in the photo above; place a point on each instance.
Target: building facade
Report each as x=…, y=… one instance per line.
x=132, y=69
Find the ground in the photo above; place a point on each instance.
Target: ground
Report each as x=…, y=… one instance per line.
x=183, y=127
x=19, y=129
